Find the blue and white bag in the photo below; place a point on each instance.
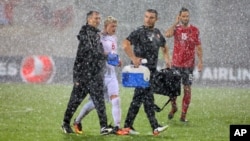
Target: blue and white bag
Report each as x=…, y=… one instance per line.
x=113, y=59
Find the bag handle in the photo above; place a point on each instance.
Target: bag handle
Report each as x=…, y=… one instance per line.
x=158, y=109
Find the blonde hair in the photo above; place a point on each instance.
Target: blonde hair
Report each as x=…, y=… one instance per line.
x=110, y=19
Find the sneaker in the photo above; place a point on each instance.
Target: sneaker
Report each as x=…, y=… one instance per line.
x=183, y=120
x=78, y=128
x=105, y=130
x=159, y=129
x=172, y=112
x=131, y=131
x=66, y=128
x=116, y=130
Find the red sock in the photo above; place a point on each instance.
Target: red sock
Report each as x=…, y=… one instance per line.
x=186, y=101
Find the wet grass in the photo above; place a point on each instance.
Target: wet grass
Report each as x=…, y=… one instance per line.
x=35, y=112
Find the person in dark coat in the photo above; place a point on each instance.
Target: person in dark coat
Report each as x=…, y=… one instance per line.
x=88, y=73
x=145, y=43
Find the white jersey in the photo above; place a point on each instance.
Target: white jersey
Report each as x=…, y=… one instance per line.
x=110, y=45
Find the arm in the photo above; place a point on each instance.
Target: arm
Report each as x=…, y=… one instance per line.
x=166, y=56
x=200, y=55
x=170, y=31
x=128, y=50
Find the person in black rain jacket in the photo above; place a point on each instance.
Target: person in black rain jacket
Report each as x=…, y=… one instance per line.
x=144, y=43
x=88, y=73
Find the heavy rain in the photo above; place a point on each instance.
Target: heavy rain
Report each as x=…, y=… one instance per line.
x=38, y=45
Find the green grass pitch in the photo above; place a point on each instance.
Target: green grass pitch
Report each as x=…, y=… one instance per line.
x=35, y=112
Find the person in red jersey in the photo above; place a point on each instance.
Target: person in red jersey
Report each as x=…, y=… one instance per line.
x=186, y=44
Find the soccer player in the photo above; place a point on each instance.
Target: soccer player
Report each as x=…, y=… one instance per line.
x=186, y=43
x=144, y=43
x=88, y=73
x=111, y=93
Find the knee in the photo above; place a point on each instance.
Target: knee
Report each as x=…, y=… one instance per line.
x=115, y=101
x=187, y=89
x=113, y=97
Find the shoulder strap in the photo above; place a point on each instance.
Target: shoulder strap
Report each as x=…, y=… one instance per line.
x=158, y=109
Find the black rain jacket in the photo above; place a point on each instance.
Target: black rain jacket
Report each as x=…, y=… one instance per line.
x=90, y=58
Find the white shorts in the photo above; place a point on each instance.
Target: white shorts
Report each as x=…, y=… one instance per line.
x=111, y=87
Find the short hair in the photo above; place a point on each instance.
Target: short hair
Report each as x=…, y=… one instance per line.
x=110, y=19
x=153, y=11
x=183, y=9
x=90, y=13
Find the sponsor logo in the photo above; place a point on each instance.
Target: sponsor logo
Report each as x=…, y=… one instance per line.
x=8, y=69
x=223, y=74
x=37, y=69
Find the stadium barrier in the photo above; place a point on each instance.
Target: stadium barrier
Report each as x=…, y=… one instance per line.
x=50, y=69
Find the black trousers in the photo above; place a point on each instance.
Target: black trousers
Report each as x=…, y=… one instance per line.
x=142, y=96
x=93, y=87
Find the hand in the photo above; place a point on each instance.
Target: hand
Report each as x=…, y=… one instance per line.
x=177, y=20
x=120, y=63
x=136, y=61
x=170, y=32
x=168, y=64
x=106, y=53
x=199, y=66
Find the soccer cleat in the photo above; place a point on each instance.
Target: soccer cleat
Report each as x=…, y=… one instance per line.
x=116, y=130
x=106, y=130
x=131, y=131
x=159, y=129
x=78, y=128
x=183, y=120
x=66, y=128
x=172, y=112
x=121, y=132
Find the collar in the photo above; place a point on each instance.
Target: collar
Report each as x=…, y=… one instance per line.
x=92, y=28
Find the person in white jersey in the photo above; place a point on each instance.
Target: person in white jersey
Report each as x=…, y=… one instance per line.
x=111, y=92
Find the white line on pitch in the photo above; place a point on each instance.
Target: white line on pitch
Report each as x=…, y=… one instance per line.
x=18, y=111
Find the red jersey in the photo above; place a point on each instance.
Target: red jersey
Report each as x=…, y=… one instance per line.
x=185, y=41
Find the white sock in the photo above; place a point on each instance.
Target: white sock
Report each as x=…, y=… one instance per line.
x=85, y=111
x=116, y=111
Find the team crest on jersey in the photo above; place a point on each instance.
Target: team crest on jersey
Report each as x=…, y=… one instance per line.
x=150, y=37
x=158, y=36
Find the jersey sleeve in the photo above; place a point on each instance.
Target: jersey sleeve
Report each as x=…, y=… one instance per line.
x=133, y=37
x=162, y=39
x=197, y=38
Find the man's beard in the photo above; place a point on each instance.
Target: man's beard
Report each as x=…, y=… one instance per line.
x=185, y=23
x=150, y=26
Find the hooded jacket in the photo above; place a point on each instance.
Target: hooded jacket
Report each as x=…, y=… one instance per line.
x=90, y=58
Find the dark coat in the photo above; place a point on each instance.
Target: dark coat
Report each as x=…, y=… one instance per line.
x=90, y=58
